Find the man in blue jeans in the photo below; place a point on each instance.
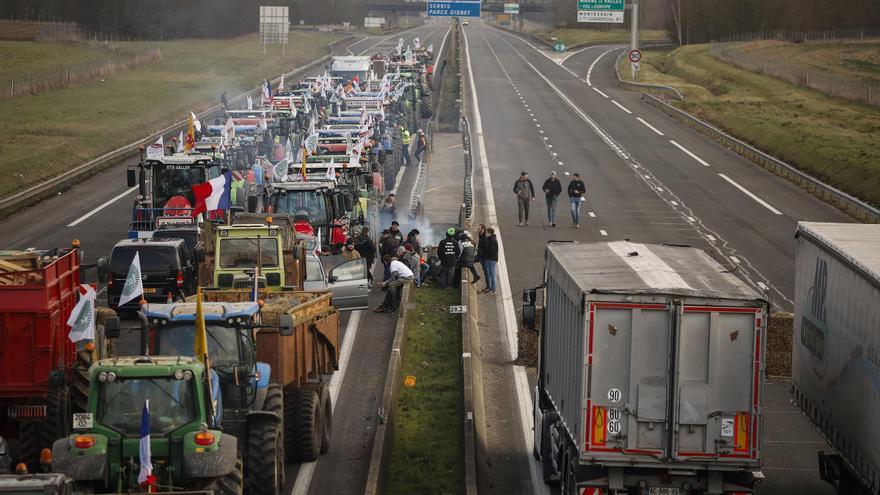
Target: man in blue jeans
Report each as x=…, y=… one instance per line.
x=576, y=190
x=489, y=257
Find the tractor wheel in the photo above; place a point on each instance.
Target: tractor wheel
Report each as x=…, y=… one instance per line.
x=327, y=423
x=275, y=402
x=228, y=484
x=427, y=109
x=79, y=387
x=35, y=436
x=264, y=464
x=302, y=425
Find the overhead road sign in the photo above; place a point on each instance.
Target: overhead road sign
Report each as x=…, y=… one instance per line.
x=454, y=9
x=511, y=8
x=600, y=16
x=610, y=5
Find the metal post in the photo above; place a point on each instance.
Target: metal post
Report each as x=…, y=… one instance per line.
x=634, y=39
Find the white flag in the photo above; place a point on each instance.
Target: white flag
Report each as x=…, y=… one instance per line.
x=279, y=171
x=229, y=131
x=134, y=283
x=431, y=48
x=417, y=43
x=180, y=143
x=156, y=150
x=196, y=123
x=354, y=160
x=82, y=318
x=288, y=151
x=331, y=171
x=250, y=102
x=281, y=83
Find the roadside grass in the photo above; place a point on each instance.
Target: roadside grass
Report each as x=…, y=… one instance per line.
x=42, y=136
x=426, y=454
x=24, y=59
x=571, y=36
x=857, y=58
x=831, y=139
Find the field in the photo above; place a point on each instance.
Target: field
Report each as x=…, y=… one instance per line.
x=858, y=59
x=31, y=58
x=426, y=455
x=41, y=136
x=829, y=138
x=572, y=36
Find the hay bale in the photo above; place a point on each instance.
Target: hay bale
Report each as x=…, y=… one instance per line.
x=780, y=330
x=276, y=305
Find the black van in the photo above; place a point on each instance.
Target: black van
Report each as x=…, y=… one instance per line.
x=167, y=268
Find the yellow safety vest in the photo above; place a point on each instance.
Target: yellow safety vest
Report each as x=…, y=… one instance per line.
x=405, y=138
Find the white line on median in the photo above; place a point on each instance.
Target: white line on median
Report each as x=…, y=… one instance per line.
x=622, y=107
x=649, y=126
x=750, y=194
x=688, y=152
x=599, y=91
x=307, y=469
x=711, y=238
x=101, y=207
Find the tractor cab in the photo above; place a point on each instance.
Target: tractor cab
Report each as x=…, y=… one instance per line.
x=314, y=202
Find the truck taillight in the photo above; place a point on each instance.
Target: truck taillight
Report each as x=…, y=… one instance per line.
x=84, y=442
x=180, y=279
x=204, y=438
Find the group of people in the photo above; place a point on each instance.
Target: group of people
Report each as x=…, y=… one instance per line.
x=457, y=252
x=552, y=188
x=403, y=260
x=406, y=142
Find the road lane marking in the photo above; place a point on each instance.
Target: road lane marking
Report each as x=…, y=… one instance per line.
x=734, y=259
x=599, y=91
x=592, y=215
x=101, y=207
x=622, y=107
x=562, y=61
x=593, y=65
x=603, y=232
x=688, y=152
x=750, y=194
x=649, y=126
x=712, y=239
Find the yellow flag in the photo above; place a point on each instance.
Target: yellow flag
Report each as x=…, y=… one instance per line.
x=201, y=346
x=189, y=141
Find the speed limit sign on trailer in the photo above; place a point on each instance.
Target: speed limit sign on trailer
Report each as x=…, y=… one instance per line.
x=635, y=56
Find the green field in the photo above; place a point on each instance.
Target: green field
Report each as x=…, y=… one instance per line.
x=41, y=136
x=426, y=455
x=858, y=59
x=832, y=139
x=572, y=36
x=23, y=59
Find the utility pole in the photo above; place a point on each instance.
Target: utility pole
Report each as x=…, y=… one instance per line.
x=634, y=21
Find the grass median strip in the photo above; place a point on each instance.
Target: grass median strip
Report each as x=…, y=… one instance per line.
x=572, y=36
x=831, y=139
x=426, y=453
x=42, y=136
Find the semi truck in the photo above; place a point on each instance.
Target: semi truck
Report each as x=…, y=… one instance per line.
x=650, y=373
x=835, y=357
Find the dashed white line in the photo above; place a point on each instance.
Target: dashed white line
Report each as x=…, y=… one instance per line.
x=603, y=232
x=734, y=259
x=622, y=107
x=688, y=152
x=649, y=126
x=691, y=219
x=102, y=206
x=599, y=91
x=711, y=238
x=750, y=194
x=674, y=203
x=560, y=163
x=592, y=215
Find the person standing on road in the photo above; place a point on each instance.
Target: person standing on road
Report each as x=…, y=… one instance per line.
x=367, y=249
x=489, y=255
x=481, y=237
x=224, y=102
x=552, y=189
x=447, y=251
x=421, y=145
x=396, y=233
x=466, y=259
x=525, y=194
x=405, y=142
x=413, y=239
x=576, y=190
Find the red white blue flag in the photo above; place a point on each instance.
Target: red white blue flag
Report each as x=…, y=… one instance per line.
x=145, y=476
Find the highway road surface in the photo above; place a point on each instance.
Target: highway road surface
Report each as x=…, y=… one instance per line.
x=97, y=212
x=648, y=179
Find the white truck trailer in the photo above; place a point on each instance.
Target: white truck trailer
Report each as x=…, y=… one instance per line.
x=650, y=374
x=836, y=348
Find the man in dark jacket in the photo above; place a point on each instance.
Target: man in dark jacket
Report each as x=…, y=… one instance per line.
x=387, y=247
x=552, y=189
x=525, y=194
x=489, y=255
x=466, y=258
x=396, y=233
x=576, y=190
x=367, y=249
x=448, y=251
x=413, y=239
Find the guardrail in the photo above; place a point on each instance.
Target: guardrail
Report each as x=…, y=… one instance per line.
x=468, y=167
x=33, y=194
x=415, y=199
x=851, y=205
x=643, y=86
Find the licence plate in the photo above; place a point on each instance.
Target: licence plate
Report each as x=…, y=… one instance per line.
x=664, y=491
x=149, y=290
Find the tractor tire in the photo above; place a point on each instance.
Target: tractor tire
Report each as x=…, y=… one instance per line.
x=35, y=436
x=302, y=426
x=327, y=423
x=265, y=463
x=228, y=484
x=79, y=386
x=275, y=402
x=427, y=109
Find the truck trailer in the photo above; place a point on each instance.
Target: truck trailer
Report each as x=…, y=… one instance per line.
x=650, y=377
x=835, y=358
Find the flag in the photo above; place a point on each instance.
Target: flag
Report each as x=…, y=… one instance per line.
x=156, y=150
x=82, y=318
x=408, y=56
x=279, y=170
x=145, y=476
x=303, y=166
x=134, y=283
x=263, y=124
x=255, y=287
x=354, y=160
x=363, y=115
x=281, y=84
x=213, y=195
x=266, y=95
x=190, y=139
x=200, y=348
x=288, y=151
x=356, y=82
x=229, y=131
x=311, y=143
x=196, y=122
x=331, y=171
x=431, y=48
x=250, y=103
x=180, y=143
x=417, y=43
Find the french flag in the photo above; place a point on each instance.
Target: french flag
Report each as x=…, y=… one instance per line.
x=213, y=195
x=145, y=476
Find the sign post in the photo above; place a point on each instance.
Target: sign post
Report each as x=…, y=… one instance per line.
x=635, y=56
x=606, y=11
x=274, y=26
x=511, y=8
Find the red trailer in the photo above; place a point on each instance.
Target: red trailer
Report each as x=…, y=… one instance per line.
x=37, y=294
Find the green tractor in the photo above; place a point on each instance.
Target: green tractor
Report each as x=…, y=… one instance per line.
x=189, y=452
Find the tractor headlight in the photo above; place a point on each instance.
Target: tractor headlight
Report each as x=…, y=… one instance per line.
x=102, y=376
x=178, y=374
x=111, y=377
x=187, y=375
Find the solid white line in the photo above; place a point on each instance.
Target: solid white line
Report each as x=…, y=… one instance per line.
x=734, y=259
x=104, y=205
x=621, y=107
x=599, y=91
x=711, y=238
x=307, y=469
x=575, y=53
x=750, y=194
x=688, y=152
x=593, y=65
x=603, y=232
x=649, y=126
x=521, y=380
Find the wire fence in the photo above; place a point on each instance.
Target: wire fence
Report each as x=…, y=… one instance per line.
x=801, y=36
x=836, y=85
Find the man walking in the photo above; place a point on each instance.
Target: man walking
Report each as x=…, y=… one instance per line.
x=552, y=189
x=525, y=193
x=367, y=249
x=489, y=255
x=576, y=190
x=447, y=251
x=421, y=145
x=405, y=141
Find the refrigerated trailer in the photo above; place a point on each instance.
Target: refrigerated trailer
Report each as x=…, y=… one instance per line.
x=836, y=348
x=650, y=377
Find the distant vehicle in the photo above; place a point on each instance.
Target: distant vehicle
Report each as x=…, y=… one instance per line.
x=350, y=66
x=465, y=23
x=650, y=372
x=167, y=270
x=835, y=353
x=188, y=232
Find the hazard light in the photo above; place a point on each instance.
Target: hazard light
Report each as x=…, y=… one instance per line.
x=204, y=438
x=84, y=442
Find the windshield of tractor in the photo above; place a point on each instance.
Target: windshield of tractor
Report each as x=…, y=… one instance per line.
x=242, y=253
x=121, y=403
x=177, y=180
x=179, y=340
x=301, y=204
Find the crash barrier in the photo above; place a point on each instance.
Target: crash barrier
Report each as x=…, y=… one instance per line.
x=415, y=199
x=383, y=439
x=31, y=195
x=636, y=86
x=849, y=204
x=801, y=36
x=468, y=167
x=472, y=384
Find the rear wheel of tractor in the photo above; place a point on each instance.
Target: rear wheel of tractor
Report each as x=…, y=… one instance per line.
x=263, y=466
x=275, y=403
x=327, y=423
x=230, y=483
x=38, y=435
x=303, y=425
x=79, y=387
x=427, y=110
